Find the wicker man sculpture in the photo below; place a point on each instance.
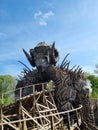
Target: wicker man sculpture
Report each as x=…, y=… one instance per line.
x=69, y=83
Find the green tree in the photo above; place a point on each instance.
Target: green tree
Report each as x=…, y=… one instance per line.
x=94, y=82
x=96, y=69
x=7, y=86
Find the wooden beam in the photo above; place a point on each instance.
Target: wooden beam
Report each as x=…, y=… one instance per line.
x=26, y=112
x=8, y=123
x=52, y=123
x=1, y=113
x=24, y=123
x=68, y=116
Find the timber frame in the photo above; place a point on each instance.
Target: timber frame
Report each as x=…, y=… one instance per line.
x=34, y=111
x=37, y=111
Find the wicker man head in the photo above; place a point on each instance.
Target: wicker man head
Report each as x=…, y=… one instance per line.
x=42, y=56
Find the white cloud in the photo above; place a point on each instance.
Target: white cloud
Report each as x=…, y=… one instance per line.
x=42, y=22
x=37, y=14
x=43, y=17
x=47, y=15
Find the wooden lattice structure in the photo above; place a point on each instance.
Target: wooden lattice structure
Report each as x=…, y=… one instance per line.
x=30, y=112
x=37, y=111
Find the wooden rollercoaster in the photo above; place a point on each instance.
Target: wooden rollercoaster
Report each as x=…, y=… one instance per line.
x=37, y=111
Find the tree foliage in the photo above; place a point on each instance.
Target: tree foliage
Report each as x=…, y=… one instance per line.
x=96, y=69
x=7, y=86
x=94, y=82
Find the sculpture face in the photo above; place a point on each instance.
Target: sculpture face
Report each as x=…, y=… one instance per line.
x=42, y=56
x=41, y=61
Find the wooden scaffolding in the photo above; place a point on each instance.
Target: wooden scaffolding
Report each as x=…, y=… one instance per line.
x=31, y=112
x=37, y=111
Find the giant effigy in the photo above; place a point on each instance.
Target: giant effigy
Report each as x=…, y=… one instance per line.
x=69, y=89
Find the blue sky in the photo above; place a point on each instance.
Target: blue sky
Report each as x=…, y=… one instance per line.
x=72, y=24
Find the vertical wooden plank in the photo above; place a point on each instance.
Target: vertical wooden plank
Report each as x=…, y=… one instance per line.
x=19, y=115
x=61, y=125
x=2, y=112
x=2, y=127
x=77, y=118
x=20, y=93
x=43, y=86
x=33, y=88
x=34, y=102
x=81, y=115
x=52, y=123
x=68, y=116
x=24, y=122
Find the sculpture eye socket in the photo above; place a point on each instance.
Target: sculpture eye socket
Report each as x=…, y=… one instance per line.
x=46, y=57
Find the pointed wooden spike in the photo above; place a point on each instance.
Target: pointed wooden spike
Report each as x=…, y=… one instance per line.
x=64, y=65
x=28, y=56
x=64, y=59
x=24, y=65
x=68, y=65
x=72, y=67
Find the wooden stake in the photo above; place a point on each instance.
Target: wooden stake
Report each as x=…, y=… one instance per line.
x=52, y=123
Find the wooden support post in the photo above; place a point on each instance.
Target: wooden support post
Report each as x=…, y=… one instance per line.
x=43, y=87
x=77, y=118
x=81, y=115
x=24, y=122
x=52, y=123
x=19, y=116
x=33, y=88
x=68, y=116
x=20, y=93
x=34, y=102
x=61, y=127
x=2, y=127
